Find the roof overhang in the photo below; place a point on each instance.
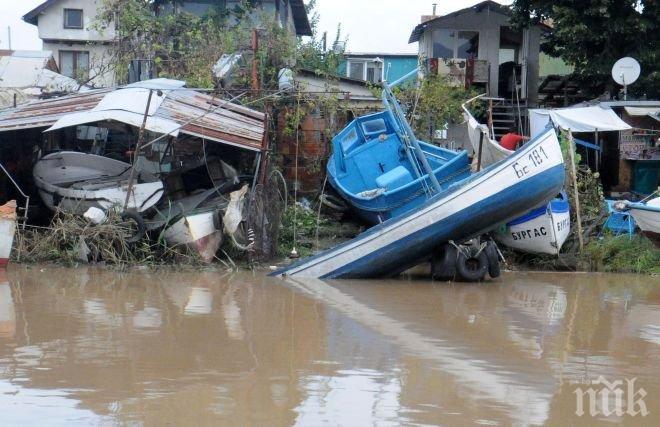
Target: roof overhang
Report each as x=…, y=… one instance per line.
x=300, y=19
x=484, y=5
x=32, y=17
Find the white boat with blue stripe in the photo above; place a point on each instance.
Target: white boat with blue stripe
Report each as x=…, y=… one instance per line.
x=543, y=230
x=530, y=177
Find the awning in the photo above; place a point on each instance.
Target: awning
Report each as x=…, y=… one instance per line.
x=642, y=111
x=578, y=119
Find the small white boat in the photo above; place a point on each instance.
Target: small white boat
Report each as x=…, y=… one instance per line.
x=7, y=231
x=543, y=230
x=197, y=230
x=75, y=182
x=194, y=221
x=646, y=215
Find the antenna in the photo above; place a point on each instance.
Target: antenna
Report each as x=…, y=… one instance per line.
x=625, y=72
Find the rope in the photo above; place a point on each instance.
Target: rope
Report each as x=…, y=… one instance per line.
x=318, y=214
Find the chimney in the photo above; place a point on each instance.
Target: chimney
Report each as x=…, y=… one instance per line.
x=426, y=18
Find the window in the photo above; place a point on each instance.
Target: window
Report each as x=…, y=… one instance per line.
x=455, y=44
x=443, y=43
x=374, y=71
x=356, y=70
x=467, y=45
x=73, y=18
x=375, y=126
x=348, y=141
x=74, y=64
x=366, y=69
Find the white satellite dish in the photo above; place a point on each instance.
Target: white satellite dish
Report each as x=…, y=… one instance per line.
x=625, y=72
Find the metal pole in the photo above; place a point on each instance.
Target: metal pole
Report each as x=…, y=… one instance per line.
x=255, y=68
x=410, y=135
x=578, y=215
x=481, y=144
x=136, y=154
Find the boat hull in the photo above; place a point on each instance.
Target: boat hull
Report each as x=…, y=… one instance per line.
x=542, y=231
x=471, y=207
x=647, y=217
x=7, y=231
x=74, y=182
x=198, y=232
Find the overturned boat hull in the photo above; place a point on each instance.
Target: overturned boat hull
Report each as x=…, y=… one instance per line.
x=198, y=231
x=499, y=193
x=543, y=230
x=75, y=182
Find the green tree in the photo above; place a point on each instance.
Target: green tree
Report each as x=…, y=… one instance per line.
x=592, y=34
x=185, y=46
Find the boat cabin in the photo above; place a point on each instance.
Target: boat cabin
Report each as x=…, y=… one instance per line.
x=377, y=170
x=479, y=47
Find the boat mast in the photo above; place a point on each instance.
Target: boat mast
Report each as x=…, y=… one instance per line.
x=391, y=103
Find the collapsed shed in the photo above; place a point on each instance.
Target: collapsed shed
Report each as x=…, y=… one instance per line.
x=106, y=122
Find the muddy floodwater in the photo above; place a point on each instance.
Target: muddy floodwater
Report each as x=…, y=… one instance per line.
x=87, y=346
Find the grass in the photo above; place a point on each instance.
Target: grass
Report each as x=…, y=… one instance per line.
x=71, y=240
x=622, y=254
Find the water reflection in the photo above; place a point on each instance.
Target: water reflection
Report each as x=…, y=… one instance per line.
x=208, y=348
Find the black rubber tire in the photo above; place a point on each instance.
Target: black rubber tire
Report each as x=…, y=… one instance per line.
x=139, y=222
x=443, y=263
x=472, y=268
x=493, y=259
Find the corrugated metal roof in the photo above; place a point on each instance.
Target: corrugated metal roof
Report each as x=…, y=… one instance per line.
x=210, y=117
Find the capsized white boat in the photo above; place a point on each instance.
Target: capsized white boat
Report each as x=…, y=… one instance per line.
x=646, y=215
x=7, y=231
x=198, y=230
x=543, y=230
x=194, y=221
x=75, y=182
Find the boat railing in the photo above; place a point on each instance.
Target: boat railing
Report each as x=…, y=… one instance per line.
x=414, y=152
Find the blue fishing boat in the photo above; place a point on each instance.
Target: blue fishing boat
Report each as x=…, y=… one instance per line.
x=467, y=208
x=380, y=168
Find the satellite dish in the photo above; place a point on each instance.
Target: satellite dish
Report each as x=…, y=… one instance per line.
x=625, y=71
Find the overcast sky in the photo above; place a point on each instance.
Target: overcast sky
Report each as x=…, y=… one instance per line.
x=370, y=25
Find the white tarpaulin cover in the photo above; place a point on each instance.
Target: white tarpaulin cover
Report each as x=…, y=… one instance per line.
x=491, y=150
x=578, y=119
x=127, y=105
x=153, y=124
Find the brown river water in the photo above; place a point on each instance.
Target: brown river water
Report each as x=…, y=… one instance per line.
x=90, y=347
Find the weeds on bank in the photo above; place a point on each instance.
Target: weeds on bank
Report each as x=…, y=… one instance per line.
x=71, y=240
x=621, y=254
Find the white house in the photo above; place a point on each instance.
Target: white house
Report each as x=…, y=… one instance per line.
x=67, y=28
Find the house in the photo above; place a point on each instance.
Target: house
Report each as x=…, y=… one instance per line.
x=377, y=67
x=81, y=50
x=478, y=46
x=291, y=14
